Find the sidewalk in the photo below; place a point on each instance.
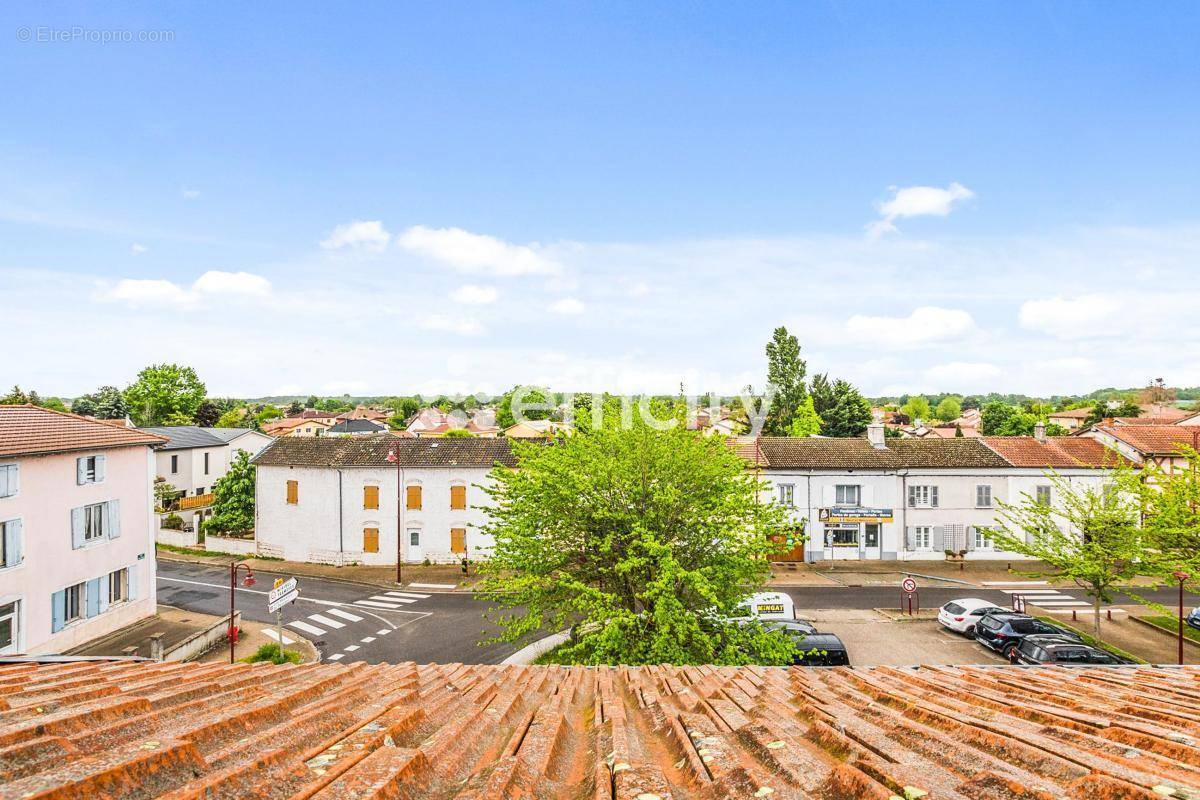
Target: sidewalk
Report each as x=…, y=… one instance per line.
x=891, y=573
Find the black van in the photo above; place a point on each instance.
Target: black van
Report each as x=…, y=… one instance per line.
x=821, y=650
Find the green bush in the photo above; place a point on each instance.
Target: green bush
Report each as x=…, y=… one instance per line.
x=173, y=522
x=271, y=652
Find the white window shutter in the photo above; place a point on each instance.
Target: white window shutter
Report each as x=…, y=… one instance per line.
x=113, y=526
x=58, y=611
x=939, y=537
x=76, y=528
x=132, y=571
x=912, y=496
x=100, y=468
x=14, y=479
x=6, y=481
x=80, y=471
x=12, y=543
x=828, y=495
x=908, y=538
x=92, y=600
x=933, y=496
x=970, y=537
x=103, y=593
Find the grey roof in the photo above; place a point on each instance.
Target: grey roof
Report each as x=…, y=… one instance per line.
x=358, y=426
x=187, y=437
x=372, y=451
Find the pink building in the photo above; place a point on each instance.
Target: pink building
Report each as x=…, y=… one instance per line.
x=76, y=529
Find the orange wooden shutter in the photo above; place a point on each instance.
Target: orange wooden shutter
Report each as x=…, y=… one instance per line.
x=293, y=492
x=458, y=497
x=370, y=497
x=458, y=540
x=370, y=540
x=413, y=496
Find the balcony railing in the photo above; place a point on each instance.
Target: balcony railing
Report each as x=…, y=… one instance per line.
x=198, y=501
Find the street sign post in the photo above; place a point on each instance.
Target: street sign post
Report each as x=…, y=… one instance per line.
x=908, y=594
x=285, y=591
x=909, y=585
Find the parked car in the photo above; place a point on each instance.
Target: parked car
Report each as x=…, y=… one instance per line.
x=766, y=605
x=821, y=650
x=1003, y=631
x=795, y=627
x=1057, y=649
x=1193, y=619
x=962, y=615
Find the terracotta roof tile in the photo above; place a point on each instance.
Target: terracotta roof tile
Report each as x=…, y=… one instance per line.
x=333, y=731
x=821, y=453
x=372, y=451
x=1059, y=452
x=1154, y=439
x=30, y=430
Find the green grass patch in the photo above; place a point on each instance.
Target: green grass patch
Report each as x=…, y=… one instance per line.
x=184, y=551
x=1170, y=624
x=271, y=652
x=1088, y=639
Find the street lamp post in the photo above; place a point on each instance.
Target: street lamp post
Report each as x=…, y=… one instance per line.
x=1181, y=577
x=247, y=581
x=394, y=457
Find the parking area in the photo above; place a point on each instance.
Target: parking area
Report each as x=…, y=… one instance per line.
x=873, y=638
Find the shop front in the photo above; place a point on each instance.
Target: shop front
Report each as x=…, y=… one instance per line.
x=853, y=533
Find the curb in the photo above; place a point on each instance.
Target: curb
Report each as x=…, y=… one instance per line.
x=530, y=652
x=1172, y=635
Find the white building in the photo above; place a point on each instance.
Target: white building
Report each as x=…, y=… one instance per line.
x=76, y=529
x=912, y=499
x=343, y=500
x=195, y=458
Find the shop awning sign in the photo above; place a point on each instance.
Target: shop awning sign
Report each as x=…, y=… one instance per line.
x=855, y=514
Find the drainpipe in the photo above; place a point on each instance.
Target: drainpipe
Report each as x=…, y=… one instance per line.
x=903, y=513
x=341, y=542
x=810, y=526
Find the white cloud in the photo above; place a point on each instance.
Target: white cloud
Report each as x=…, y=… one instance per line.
x=963, y=376
x=924, y=326
x=369, y=235
x=341, y=387
x=567, y=305
x=464, y=326
x=916, y=201
x=472, y=295
x=189, y=194
x=476, y=253
x=138, y=249
x=1082, y=317
x=211, y=284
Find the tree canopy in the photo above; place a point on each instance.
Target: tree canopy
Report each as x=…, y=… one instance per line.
x=643, y=540
x=949, y=409
x=165, y=394
x=107, y=402
x=917, y=408
x=850, y=413
x=233, y=499
x=806, y=422
x=786, y=372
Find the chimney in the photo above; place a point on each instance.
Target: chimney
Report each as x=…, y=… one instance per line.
x=876, y=437
x=1039, y=431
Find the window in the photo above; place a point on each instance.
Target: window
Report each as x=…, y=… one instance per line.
x=175, y=465
x=847, y=494
x=370, y=540
x=412, y=498
x=923, y=496
x=10, y=543
x=983, y=495
x=293, y=492
x=199, y=491
x=118, y=586
x=8, y=627
x=922, y=537
x=89, y=469
x=93, y=522
x=73, y=597
x=458, y=540
x=458, y=498
x=980, y=539
x=1043, y=495
x=8, y=479
x=371, y=498
x=414, y=537
x=787, y=494
x=206, y=463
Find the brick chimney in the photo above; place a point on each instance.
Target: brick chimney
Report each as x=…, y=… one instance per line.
x=876, y=437
x=1039, y=431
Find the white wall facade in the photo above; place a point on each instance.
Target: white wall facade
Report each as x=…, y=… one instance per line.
x=191, y=475
x=327, y=523
x=914, y=532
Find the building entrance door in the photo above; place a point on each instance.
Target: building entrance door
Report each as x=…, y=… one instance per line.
x=871, y=545
x=413, y=551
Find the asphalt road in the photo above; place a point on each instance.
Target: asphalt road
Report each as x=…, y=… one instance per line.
x=347, y=622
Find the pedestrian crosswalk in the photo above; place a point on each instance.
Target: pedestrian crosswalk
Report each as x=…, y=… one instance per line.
x=271, y=633
x=391, y=600
x=331, y=619
x=1038, y=593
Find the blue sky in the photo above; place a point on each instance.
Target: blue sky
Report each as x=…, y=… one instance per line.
x=465, y=196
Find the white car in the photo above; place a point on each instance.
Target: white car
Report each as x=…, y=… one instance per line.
x=960, y=616
x=766, y=605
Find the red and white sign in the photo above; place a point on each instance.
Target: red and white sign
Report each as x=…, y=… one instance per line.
x=909, y=585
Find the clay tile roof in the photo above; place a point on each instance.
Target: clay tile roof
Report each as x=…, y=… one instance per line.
x=747, y=447
x=1072, y=413
x=372, y=451
x=932, y=453
x=1154, y=439
x=440, y=731
x=1058, y=452
x=29, y=430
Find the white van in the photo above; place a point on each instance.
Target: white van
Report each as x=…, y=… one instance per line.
x=766, y=605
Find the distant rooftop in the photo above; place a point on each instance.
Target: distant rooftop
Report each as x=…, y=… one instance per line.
x=186, y=437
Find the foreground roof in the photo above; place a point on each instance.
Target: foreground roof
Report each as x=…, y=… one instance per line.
x=1058, y=452
x=858, y=453
x=372, y=451
x=1154, y=439
x=186, y=437
x=331, y=731
x=30, y=430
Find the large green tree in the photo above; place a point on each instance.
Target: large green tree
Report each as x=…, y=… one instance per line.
x=917, y=408
x=643, y=540
x=850, y=413
x=165, y=394
x=949, y=409
x=806, y=422
x=822, y=394
x=107, y=402
x=233, y=499
x=531, y=402
x=785, y=373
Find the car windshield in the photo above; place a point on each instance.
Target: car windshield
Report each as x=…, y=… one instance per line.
x=991, y=623
x=979, y=612
x=1072, y=655
x=953, y=608
x=1024, y=625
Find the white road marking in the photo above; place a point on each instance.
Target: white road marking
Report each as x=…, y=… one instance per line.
x=412, y=595
x=383, y=632
x=350, y=648
x=326, y=621
x=304, y=626
x=1032, y=592
x=271, y=633
x=337, y=612
x=247, y=591
x=385, y=599
x=336, y=657
x=1064, y=602
x=1016, y=583
x=374, y=604
x=367, y=639
x=431, y=585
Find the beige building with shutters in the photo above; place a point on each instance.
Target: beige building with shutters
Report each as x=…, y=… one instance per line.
x=374, y=499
